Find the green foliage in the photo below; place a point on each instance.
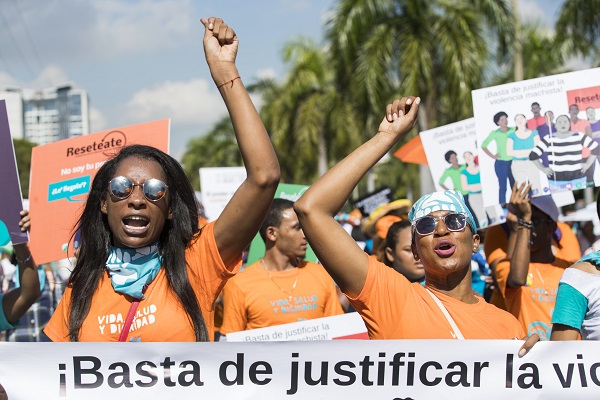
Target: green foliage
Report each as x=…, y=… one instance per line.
x=217, y=148
x=577, y=27
x=384, y=49
x=23, y=156
x=311, y=124
x=541, y=55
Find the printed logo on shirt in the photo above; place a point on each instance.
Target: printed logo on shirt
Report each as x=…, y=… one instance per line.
x=113, y=323
x=297, y=304
x=541, y=328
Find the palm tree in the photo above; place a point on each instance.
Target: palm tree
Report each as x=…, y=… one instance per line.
x=540, y=55
x=217, y=148
x=23, y=149
x=311, y=125
x=434, y=49
x=577, y=27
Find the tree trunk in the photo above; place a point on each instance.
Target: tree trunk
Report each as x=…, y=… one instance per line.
x=322, y=154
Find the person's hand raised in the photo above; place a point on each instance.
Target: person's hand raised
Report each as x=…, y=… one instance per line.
x=520, y=204
x=400, y=117
x=220, y=45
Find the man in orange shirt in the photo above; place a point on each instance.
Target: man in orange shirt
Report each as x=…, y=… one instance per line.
x=529, y=281
x=281, y=287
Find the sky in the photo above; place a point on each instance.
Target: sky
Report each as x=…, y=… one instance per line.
x=142, y=60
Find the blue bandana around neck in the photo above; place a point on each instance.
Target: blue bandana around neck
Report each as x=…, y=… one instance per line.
x=131, y=270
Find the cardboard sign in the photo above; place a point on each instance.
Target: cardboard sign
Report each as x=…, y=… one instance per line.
x=11, y=200
x=551, y=150
x=337, y=327
x=61, y=177
x=452, y=156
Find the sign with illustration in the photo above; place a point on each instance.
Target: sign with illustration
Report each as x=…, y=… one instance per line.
x=453, y=160
x=61, y=177
x=11, y=201
x=544, y=131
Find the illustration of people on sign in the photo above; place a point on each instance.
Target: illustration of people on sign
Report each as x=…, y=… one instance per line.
x=570, y=155
x=590, y=113
x=455, y=173
x=583, y=126
x=470, y=179
x=502, y=165
x=519, y=145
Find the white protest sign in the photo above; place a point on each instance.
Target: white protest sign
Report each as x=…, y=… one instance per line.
x=451, y=152
x=563, y=135
x=344, y=326
x=218, y=186
x=346, y=369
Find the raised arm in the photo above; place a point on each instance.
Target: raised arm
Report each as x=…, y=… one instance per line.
x=336, y=250
x=520, y=258
x=17, y=301
x=241, y=218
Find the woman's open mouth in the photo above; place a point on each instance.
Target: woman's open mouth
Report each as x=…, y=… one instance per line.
x=135, y=224
x=444, y=248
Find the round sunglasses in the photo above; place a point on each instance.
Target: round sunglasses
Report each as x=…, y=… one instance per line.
x=121, y=187
x=454, y=222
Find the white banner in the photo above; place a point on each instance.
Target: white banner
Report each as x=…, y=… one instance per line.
x=337, y=327
x=346, y=369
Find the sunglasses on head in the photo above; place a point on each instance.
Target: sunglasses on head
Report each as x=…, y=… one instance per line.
x=121, y=187
x=454, y=222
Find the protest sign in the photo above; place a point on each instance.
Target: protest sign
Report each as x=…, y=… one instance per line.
x=337, y=327
x=543, y=131
x=289, y=192
x=61, y=176
x=355, y=369
x=218, y=186
x=11, y=201
x=451, y=152
x=369, y=202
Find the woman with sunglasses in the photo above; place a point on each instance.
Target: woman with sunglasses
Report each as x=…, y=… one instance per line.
x=444, y=239
x=145, y=270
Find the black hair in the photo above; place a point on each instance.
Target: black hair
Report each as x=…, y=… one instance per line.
x=535, y=103
x=391, y=238
x=274, y=216
x=176, y=236
x=499, y=115
x=448, y=154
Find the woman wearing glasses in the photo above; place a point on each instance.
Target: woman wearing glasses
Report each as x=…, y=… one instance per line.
x=444, y=239
x=145, y=271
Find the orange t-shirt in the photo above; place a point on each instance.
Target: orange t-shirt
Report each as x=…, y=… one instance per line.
x=496, y=241
x=253, y=300
x=394, y=308
x=160, y=316
x=533, y=304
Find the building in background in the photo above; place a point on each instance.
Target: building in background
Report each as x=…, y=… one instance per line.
x=47, y=115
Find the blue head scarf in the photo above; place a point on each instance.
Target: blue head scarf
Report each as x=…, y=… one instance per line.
x=451, y=200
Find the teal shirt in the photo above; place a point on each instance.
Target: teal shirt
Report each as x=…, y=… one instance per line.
x=472, y=179
x=500, y=138
x=454, y=175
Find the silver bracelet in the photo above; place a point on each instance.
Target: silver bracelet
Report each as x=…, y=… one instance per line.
x=25, y=260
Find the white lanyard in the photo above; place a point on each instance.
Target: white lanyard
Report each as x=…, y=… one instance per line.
x=457, y=333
